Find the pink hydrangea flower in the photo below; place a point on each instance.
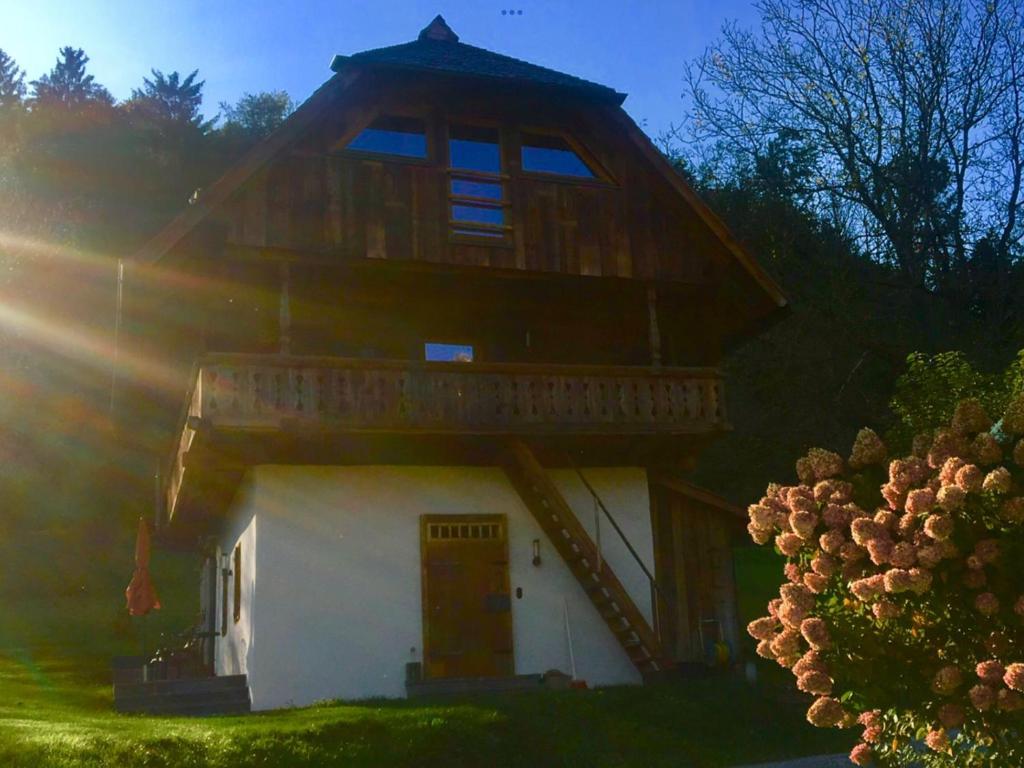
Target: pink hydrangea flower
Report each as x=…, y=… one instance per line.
x=803, y=523
x=986, y=604
x=920, y=501
x=851, y=553
x=815, y=632
x=817, y=683
x=947, y=474
x=761, y=516
x=816, y=582
x=950, y=497
x=982, y=697
x=998, y=481
x=937, y=740
x=831, y=541
x=907, y=525
x=789, y=544
x=798, y=594
x=818, y=464
x=864, y=529
x=970, y=417
x=880, y=551
x=823, y=565
x=894, y=496
x=825, y=712
x=939, y=527
x=868, y=449
x=903, y=555
x=1014, y=677
x=759, y=535
x=792, y=572
x=897, y=580
x=868, y=588
x=786, y=643
x=1018, y=453
x=884, y=610
x=764, y=650
x=947, y=680
x=763, y=628
x=969, y=478
x=861, y=754
x=920, y=580
x=946, y=445
x=812, y=661
x=985, y=450
x=929, y=556
x=990, y=671
x=792, y=615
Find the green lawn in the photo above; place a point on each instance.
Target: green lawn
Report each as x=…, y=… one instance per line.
x=56, y=710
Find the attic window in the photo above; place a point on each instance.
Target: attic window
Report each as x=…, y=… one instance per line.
x=398, y=136
x=544, y=153
x=476, y=187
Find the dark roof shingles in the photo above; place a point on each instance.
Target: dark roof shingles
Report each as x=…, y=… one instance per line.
x=458, y=58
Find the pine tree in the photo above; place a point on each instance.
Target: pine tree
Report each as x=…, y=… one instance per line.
x=68, y=85
x=12, y=82
x=170, y=98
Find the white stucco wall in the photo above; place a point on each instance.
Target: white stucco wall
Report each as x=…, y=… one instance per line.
x=333, y=609
x=234, y=647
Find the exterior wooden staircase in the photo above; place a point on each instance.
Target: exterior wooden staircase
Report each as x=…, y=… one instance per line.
x=578, y=550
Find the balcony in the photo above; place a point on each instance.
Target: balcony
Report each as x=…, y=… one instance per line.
x=249, y=409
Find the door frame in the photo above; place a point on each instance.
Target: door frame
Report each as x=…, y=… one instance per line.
x=426, y=520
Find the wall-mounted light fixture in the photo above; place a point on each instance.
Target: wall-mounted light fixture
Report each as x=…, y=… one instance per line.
x=536, y=552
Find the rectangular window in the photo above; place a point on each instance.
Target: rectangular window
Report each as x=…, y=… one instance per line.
x=543, y=153
x=398, y=136
x=238, y=583
x=449, y=353
x=476, y=188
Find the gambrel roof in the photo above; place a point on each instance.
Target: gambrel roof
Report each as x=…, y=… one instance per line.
x=437, y=49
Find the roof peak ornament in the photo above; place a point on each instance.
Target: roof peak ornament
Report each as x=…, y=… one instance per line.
x=438, y=29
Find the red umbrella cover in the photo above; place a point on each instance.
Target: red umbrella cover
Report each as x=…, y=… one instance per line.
x=141, y=595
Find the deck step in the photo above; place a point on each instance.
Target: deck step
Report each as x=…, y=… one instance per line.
x=195, y=696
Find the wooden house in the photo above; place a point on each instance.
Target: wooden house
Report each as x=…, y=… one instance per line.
x=443, y=346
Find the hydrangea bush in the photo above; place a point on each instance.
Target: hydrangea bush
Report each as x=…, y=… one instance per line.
x=903, y=610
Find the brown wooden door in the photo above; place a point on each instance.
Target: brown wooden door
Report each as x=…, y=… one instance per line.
x=467, y=611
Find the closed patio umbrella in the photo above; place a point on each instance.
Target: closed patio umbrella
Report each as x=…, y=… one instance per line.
x=141, y=595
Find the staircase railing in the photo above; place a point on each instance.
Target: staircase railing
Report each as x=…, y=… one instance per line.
x=656, y=594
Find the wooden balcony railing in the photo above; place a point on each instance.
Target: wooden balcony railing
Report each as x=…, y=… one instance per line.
x=406, y=396
x=314, y=395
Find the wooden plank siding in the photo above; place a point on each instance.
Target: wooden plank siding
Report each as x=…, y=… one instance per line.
x=694, y=567
x=317, y=198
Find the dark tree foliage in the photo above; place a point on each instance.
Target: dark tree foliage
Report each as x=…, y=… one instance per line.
x=67, y=84
x=12, y=82
x=170, y=98
x=256, y=115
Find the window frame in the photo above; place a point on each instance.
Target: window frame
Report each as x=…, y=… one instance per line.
x=501, y=235
x=601, y=175
x=341, y=147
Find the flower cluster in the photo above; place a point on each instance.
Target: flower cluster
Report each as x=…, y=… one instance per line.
x=903, y=583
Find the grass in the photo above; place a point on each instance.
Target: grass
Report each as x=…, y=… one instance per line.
x=56, y=710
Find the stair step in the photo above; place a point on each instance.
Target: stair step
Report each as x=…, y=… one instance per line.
x=188, y=685
x=134, y=703
x=192, y=710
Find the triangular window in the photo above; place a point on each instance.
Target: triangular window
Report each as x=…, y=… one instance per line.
x=398, y=136
x=551, y=153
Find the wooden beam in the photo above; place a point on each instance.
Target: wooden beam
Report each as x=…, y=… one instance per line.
x=653, y=331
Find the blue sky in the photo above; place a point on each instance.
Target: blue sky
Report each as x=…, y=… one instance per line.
x=636, y=46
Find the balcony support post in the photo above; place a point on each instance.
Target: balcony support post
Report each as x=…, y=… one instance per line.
x=653, y=331
x=285, y=314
